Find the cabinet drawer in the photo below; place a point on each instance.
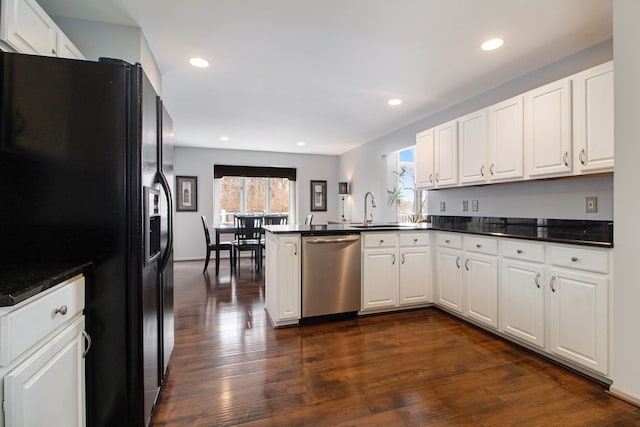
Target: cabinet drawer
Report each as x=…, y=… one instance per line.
x=380, y=240
x=414, y=239
x=580, y=259
x=24, y=327
x=450, y=240
x=521, y=250
x=481, y=244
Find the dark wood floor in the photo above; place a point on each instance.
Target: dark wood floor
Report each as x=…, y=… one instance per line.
x=415, y=368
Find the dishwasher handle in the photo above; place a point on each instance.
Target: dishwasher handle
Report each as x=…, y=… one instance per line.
x=344, y=240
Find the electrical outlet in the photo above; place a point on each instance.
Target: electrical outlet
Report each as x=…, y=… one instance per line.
x=591, y=204
x=465, y=206
x=441, y=206
x=474, y=205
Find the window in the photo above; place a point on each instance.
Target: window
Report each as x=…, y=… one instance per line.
x=252, y=190
x=408, y=201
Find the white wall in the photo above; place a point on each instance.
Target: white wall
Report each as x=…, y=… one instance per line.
x=99, y=39
x=363, y=166
x=626, y=290
x=189, y=237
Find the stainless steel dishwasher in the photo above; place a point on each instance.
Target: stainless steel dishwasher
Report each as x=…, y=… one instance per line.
x=330, y=274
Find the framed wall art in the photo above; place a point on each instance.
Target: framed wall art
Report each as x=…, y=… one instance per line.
x=318, y=196
x=186, y=193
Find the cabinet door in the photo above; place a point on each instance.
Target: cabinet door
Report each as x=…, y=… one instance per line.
x=289, y=279
x=446, y=154
x=47, y=389
x=548, y=129
x=473, y=148
x=522, y=301
x=66, y=48
x=506, y=140
x=579, y=318
x=593, y=118
x=27, y=28
x=415, y=275
x=481, y=285
x=380, y=279
x=450, y=279
x=424, y=159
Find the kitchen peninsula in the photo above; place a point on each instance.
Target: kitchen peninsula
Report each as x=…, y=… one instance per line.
x=544, y=284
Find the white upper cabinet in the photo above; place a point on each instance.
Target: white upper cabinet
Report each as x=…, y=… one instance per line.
x=593, y=119
x=473, y=148
x=424, y=159
x=506, y=141
x=25, y=27
x=548, y=129
x=446, y=154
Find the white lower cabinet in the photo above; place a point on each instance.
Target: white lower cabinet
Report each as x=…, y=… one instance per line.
x=282, y=278
x=47, y=389
x=522, y=300
x=42, y=368
x=449, y=279
x=578, y=310
x=396, y=270
x=481, y=279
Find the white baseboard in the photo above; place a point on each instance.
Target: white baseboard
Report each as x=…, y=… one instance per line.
x=632, y=398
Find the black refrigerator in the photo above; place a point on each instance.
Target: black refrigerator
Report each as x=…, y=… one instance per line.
x=85, y=175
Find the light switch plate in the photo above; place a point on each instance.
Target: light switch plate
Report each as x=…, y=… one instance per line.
x=474, y=205
x=465, y=206
x=591, y=204
x=441, y=206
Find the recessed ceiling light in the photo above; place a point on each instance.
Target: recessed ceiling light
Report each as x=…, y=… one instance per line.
x=224, y=138
x=301, y=143
x=492, y=44
x=394, y=102
x=199, y=62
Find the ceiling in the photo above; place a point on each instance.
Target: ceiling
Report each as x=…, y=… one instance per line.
x=322, y=71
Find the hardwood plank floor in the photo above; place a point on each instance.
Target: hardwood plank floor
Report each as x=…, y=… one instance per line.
x=415, y=368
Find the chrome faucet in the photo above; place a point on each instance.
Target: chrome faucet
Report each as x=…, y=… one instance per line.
x=373, y=205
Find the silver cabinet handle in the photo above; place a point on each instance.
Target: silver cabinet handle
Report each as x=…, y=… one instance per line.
x=478, y=245
x=553, y=280
x=415, y=240
x=295, y=249
x=458, y=262
x=438, y=177
x=482, y=170
x=574, y=258
x=62, y=310
x=394, y=260
x=53, y=52
x=431, y=178
x=402, y=258
x=537, y=280
x=87, y=337
x=381, y=241
x=492, y=169
x=466, y=264
x=447, y=241
x=565, y=158
x=519, y=251
x=581, y=156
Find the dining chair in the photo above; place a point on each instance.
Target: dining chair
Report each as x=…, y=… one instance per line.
x=308, y=219
x=247, y=237
x=212, y=246
x=275, y=219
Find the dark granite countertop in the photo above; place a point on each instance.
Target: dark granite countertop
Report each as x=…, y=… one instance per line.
x=577, y=232
x=20, y=281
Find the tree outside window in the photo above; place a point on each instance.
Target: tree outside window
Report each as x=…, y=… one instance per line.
x=408, y=200
x=252, y=195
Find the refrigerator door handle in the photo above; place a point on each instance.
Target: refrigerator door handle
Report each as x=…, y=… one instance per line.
x=167, y=192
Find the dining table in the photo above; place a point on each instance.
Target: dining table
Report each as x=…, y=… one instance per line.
x=232, y=229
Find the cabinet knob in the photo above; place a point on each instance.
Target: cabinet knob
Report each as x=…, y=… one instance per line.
x=482, y=170
x=553, y=280
x=62, y=310
x=491, y=169
x=415, y=240
x=438, y=177
x=582, y=156
x=519, y=251
x=431, y=178
x=458, y=262
x=447, y=241
x=53, y=52
x=537, y=280
x=574, y=258
x=381, y=240
x=565, y=158
x=478, y=245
